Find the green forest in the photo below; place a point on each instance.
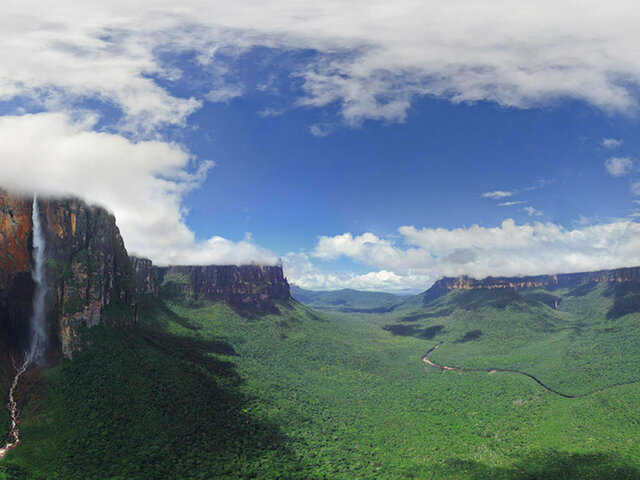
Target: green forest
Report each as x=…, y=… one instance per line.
x=199, y=391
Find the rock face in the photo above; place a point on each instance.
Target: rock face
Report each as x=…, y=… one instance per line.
x=16, y=285
x=91, y=279
x=89, y=274
x=252, y=287
x=89, y=269
x=540, y=281
x=145, y=276
x=246, y=287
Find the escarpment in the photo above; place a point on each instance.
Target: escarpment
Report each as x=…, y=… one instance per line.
x=145, y=276
x=16, y=285
x=91, y=280
x=540, y=281
x=89, y=270
x=89, y=274
x=249, y=287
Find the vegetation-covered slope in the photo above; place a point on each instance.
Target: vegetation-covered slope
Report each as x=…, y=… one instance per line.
x=575, y=340
x=201, y=391
x=348, y=301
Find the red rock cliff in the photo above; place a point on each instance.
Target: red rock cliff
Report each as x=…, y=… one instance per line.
x=16, y=286
x=89, y=273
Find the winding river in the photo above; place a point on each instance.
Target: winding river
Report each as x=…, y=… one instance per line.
x=427, y=360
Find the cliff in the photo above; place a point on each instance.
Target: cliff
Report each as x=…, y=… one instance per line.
x=89, y=274
x=89, y=270
x=16, y=285
x=252, y=287
x=145, y=276
x=540, y=281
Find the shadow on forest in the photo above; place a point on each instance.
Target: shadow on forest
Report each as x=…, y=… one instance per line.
x=149, y=404
x=413, y=331
x=470, y=335
x=547, y=465
x=626, y=299
x=443, y=312
x=582, y=290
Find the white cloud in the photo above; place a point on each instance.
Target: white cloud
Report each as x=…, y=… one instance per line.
x=511, y=204
x=320, y=129
x=533, y=212
x=142, y=183
x=509, y=249
x=618, y=166
x=300, y=271
x=611, y=143
x=635, y=188
x=224, y=93
x=347, y=244
x=497, y=194
x=375, y=57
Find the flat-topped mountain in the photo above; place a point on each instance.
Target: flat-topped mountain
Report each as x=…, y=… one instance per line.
x=252, y=287
x=540, y=281
x=91, y=280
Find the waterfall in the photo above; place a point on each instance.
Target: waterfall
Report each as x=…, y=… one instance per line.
x=13, y=437
x=37, y=322
x=38, y=340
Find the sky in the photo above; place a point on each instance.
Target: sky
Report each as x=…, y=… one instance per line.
x=374, y=145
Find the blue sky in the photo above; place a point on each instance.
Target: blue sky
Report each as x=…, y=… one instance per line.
x=379, y=146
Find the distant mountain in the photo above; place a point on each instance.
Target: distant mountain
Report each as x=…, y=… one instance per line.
x=570, y=282
x=575, y=331
x=348, y=300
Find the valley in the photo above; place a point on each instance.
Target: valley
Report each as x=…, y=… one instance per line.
x=300, y=394
x=296, y=240
x=199, y=372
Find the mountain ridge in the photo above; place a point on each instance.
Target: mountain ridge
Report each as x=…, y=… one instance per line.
x=465, y=282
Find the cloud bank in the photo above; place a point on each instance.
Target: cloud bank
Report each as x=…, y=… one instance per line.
x=425, y=254
x=142, y=183
x=375, y=57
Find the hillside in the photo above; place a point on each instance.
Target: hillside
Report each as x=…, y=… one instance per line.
x=348, y=300
x=202, y=390
x=577, y=336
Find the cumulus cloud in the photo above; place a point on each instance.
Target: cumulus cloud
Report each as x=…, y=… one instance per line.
x=425, y=254
x=142, y=183
x=511, y=204
x=618, y=166
x=611, y=143
x=497, y=194
x=302, y=272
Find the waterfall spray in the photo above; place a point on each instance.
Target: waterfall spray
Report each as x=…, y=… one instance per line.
x=38, y=340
